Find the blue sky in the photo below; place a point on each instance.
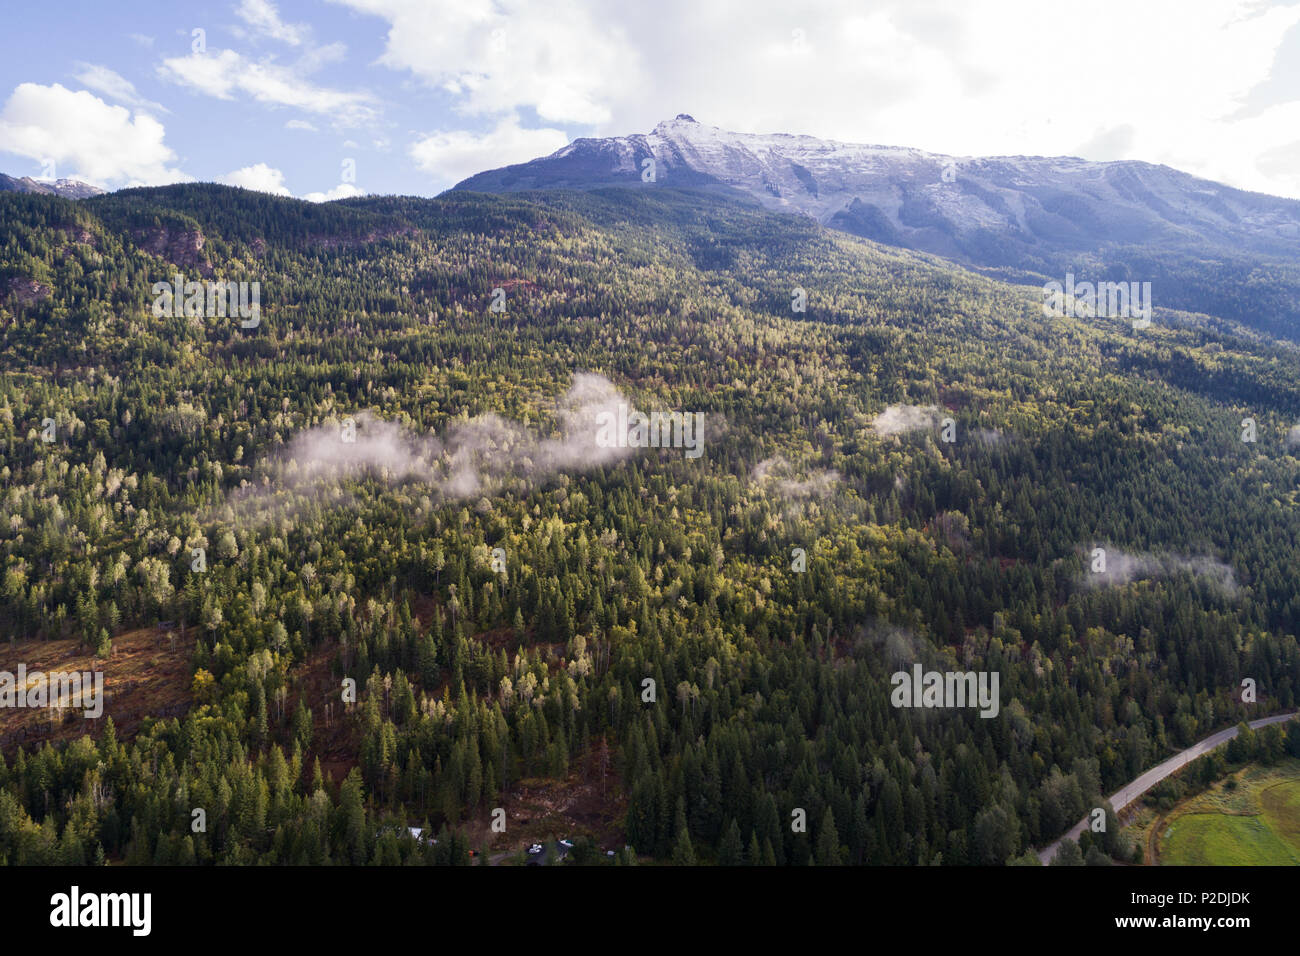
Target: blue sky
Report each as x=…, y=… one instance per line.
x=339, y=97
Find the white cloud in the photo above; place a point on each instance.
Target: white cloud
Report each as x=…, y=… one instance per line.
x=1123, y=567
x=900, y=419
x=1201, y=85
x=115, y=86
x=341, y=191
x=1166, y=81
x=300, y=124
x=451, y=156
x=268, y=179
x=314, y=57
x=567, y=60
x=263, y=17
x=86, y=138
x=1157, y=81
x=260, y=177
x=484, y=456
x=777, y=474
x=227, y=73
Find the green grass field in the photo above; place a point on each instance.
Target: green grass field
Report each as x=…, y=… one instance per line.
x=1257, y=824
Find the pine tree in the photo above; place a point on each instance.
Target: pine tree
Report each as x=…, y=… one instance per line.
x=731, y=850
x=828, y=841
x=683, y=853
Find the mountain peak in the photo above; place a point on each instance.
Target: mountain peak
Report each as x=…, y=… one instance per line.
x=683, y=123
x=1037, y=207
x=68, y=188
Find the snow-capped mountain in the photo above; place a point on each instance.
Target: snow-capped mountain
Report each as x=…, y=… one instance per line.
x=1010, y=213
x=68, y=188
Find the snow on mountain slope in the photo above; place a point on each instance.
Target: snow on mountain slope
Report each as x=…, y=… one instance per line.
x=68, y=188
x=1018, y=212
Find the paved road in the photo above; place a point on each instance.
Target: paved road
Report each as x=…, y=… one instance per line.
x=1122, y=798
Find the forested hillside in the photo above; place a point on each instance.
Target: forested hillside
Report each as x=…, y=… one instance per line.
x=377, y=560
x=1204, y=246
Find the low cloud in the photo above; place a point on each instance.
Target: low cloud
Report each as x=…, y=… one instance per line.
x=776, y=475
x=480, y=456
x=898, y=419
x=988, y=436
x=1123, y=567
x=898, y=645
